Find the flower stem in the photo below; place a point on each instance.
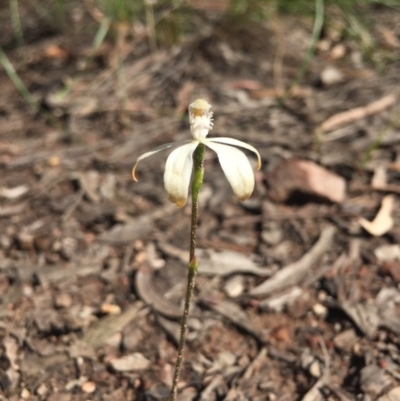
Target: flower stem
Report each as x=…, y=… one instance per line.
x=198, y=175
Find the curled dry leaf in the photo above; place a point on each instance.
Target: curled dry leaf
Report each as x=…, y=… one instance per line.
x=149, y=294
x=383, y=221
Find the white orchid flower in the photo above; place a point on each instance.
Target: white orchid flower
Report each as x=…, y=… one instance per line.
x=178, y=169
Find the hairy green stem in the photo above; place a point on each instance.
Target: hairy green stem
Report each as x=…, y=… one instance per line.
x=198, y=174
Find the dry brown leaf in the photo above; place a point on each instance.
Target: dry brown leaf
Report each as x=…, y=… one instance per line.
x=305, y=177
x=383, y=221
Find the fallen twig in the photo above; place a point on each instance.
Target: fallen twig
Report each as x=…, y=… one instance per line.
x=255, y=364
x=349, y=116
x=295, y=272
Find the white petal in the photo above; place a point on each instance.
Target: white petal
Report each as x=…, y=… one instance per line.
x=152, y=152
x=237, y=168
x=178, y=171
x=235, y=142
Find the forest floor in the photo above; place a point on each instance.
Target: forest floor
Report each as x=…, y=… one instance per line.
x=297, y=296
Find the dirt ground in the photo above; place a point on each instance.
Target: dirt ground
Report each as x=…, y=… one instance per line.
x=297, y=296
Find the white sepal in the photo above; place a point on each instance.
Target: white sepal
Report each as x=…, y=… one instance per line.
x=178, y=171
x=236, y=167
x=235, y=142
x=155, y=150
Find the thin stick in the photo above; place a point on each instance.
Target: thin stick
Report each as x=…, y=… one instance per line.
x=198, y=171
x=349, y=116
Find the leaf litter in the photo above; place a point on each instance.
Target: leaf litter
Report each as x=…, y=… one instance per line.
x=297, y=292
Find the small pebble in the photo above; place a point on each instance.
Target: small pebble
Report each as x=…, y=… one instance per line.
x=331, y=76
x=281, y=334
x=315, y=369
x=42, y=390
x=234, y=286
x=320, y=310
x=27, y=290
x=226, y=358
x=53, y=161
x=25, y=242
x=88, y=387
x=110, y=309
x=272, y=396
x=63, y=300
x=338, y=51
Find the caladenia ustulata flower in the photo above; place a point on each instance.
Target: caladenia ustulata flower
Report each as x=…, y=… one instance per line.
x=182, y=162
x=179, y=166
